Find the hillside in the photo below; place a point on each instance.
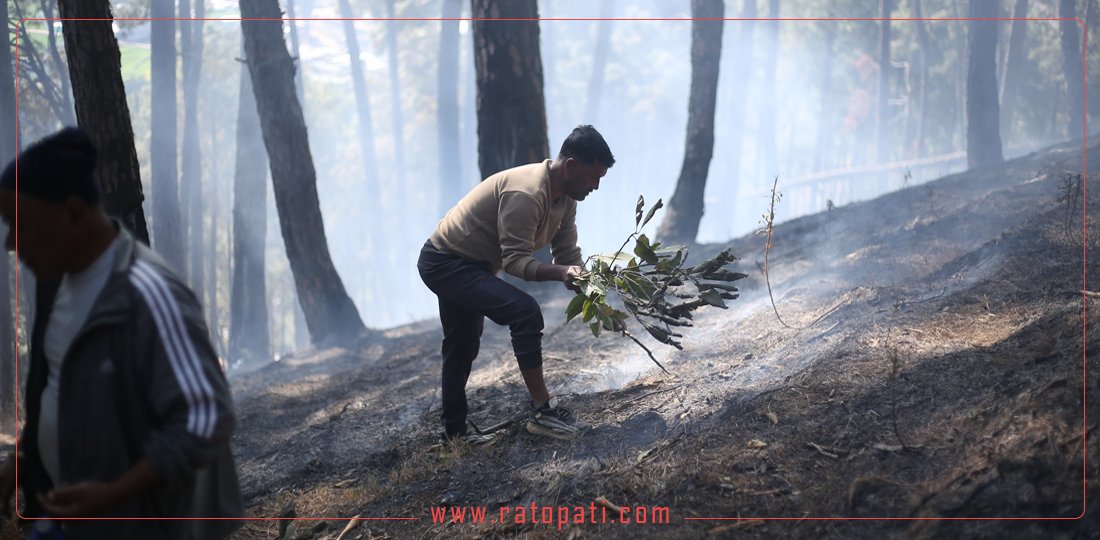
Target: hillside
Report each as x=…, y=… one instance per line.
x=941, y=377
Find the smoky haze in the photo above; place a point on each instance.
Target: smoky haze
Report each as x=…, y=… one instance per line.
x=825, y=143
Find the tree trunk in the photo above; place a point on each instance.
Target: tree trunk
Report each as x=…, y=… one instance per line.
x=1075, y=78
x=450, y=173
x=395, y=103
x=9, y=377
x=769, y=158
x=101, y=109
x=248, y=337
x=826, y=125
x=362, y=101
x=599, y=63
x=884, y=140
x=983, y=133
x=1014, y=67
x=740, y=71
x=214, y=206
x=960, y=68
x=924, y=47
x=295, y=51
x=685, y=208
x=330, y=314
x=191, y=44
x=167, y=238
x=511, y=110
x=66, y=92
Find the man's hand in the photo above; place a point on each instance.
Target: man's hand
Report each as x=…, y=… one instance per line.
x=7, y=485
x=572, y=273
x=86, y=499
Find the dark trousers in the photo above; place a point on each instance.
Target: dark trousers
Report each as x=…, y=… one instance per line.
x=468, y=292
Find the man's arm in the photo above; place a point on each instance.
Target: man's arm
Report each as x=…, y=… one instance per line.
x=563, y=246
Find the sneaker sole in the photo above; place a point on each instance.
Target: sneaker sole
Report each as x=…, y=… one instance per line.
x=540, y=430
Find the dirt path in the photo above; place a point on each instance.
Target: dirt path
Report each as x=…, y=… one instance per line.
x=943, y=379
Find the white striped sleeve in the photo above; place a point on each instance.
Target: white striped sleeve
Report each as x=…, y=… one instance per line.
x=181, y=351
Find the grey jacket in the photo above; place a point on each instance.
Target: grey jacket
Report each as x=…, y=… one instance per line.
x=141, y=380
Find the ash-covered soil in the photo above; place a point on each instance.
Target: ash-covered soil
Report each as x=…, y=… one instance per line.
x=928, y=364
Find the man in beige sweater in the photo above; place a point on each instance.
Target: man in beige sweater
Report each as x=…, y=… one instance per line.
x=498, y=225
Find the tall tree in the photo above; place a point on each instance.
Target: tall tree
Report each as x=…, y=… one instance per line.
x=924, y=47
x=295, y=51
x=511, y=109
x=248, y=337
x=741, y=72
x=823, y=141
x=1014, y=66
x=1072, y=63
x=983, y=132
x=599, y=62
x=330, y=314
x=59, y=65
x=768, y=153
x=362, y=102
x=167, y=237
x=398, y=118
x=685, y=208
x=9, y=377
x=95, y=70
x=191, y=45
x=883, y=140
x=450, y=174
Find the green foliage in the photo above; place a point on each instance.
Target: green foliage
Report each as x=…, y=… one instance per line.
x=654, y=284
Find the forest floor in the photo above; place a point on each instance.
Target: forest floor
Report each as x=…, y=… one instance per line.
x=932, y=368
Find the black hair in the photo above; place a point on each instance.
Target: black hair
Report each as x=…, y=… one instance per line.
x=586, y=144
x=56, y=168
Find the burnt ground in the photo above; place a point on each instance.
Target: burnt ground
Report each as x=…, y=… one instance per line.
x=930, y=367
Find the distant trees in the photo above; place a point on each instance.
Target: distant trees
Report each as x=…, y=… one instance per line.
x=1014, y=65
x=330, y=314
x=685, y=208
x=599, y=63
x=362, y=103
x=8, y=376
x=983, y=132
x=191, y=45
x=167, y=234
x=248, y=318
x=511, y=111
x=450, y=188
x=101, y=109
x=1071, y=52
x=883, y=140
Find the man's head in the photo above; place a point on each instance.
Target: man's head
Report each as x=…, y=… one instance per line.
x=586, y=158
x=58, y=198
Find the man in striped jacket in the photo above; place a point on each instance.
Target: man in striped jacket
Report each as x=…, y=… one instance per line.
x=128, y=414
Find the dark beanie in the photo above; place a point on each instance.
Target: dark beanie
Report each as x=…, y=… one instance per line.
x=56, y=168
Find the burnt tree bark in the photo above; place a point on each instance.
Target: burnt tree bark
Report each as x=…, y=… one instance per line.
x=983, y=132
x=295, y=51
x=166, y=235
x=330, y=314
x=95, y=71
x=511, y=111
x=450, y=174
x=685, y=208
x=248, y=338
x=1071, y=62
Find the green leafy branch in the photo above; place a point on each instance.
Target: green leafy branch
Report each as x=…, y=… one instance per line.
x=653, y=284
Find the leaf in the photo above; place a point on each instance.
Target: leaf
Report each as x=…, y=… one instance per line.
x=638, y=210
x=724, y=275
x=713, y=299
x=589, y=309
x=756, y=443
x=595, y=328
x=772, y=416
x=652, y=211
x=643, y=251
x=575, y=307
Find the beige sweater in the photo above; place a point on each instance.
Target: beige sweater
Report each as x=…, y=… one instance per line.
x=507, y=217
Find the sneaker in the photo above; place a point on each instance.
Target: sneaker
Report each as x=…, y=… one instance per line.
x=555, y=421
x=471, y=438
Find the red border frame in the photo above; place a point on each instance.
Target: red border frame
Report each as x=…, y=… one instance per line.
x=1084, y=265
